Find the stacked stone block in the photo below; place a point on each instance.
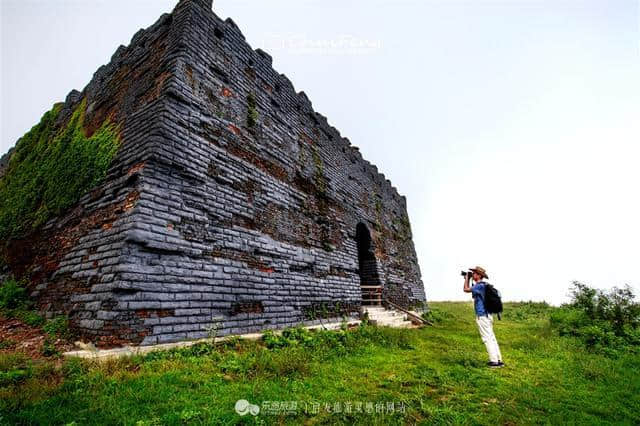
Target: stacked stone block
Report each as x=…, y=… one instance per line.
x=232, y=206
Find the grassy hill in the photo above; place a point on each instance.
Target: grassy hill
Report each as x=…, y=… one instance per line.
x=433, y=375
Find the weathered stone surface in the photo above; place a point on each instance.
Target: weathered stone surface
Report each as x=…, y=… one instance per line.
x=231, y=203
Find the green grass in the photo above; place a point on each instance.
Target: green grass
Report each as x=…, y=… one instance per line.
x=437, y=373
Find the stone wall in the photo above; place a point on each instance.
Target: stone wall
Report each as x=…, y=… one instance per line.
x=232, y=205
x=73, y=261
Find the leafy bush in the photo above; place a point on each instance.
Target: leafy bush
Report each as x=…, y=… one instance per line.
x=339, y=341
x=14, y=303
x=28, y=317
x=605, y=321
x=434, y=315
x=568, y=320
x=523, y=311
x=59, y=326
x=13, y=295
x=289, y=337
x=49, y=348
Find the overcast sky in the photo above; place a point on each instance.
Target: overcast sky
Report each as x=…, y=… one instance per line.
x=512, y=127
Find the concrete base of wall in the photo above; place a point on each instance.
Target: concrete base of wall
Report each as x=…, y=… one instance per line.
x=107, y=354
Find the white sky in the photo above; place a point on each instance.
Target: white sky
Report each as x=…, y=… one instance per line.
x=511, y=126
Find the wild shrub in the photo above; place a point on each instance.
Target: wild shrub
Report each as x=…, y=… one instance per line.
x=606, y=321
x=14, y=303
x=340, y=341
x=524, y=311
x=13, y=295
x=289, y=337
x=434, y=316
x=58, y=326
x=28, y=317
x=199, y=350
x=49, y=347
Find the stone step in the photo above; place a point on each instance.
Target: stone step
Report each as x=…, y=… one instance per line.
x=382, y=311
x=384, y=317
x=385, y=312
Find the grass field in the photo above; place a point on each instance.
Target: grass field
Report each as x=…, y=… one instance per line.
x=433, y=375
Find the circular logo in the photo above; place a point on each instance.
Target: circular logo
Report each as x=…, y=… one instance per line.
x=244, y=407
x=254, y=409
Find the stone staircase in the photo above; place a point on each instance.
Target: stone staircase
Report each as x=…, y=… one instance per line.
x=381, y=316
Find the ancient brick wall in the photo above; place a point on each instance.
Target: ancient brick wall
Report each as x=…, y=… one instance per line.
x=232, y=204
x=72, y=262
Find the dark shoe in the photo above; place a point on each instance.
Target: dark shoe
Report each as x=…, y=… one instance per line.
x=496, y=364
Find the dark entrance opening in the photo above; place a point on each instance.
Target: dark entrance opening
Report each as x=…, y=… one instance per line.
x=368, y=268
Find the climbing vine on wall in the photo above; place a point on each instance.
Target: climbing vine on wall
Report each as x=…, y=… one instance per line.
x=51, y=168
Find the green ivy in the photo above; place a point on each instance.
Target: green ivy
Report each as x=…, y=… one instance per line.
x=51, y=168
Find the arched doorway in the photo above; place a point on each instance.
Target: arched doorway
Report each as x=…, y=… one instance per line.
x=368, y=267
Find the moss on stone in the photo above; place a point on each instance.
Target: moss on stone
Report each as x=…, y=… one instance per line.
x=252, y=112
x=319, y=177
x=51, y=168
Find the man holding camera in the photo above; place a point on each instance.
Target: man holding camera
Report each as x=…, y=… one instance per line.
x=483, y=318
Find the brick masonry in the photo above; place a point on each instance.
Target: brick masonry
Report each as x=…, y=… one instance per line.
x=231, y=205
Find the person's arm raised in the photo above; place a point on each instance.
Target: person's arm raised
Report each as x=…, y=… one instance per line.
x=466, y=288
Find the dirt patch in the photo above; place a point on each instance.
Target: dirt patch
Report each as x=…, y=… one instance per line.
x=16, y=336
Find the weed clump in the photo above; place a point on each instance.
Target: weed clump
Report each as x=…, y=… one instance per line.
x=525, y=311
x=14, y=368
x=58, y=326
x=13, y=295
x=606, y=322
x=15, y=303
x=435, y=316
x=339, y=341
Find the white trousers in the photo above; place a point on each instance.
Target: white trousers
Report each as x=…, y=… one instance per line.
x=485, y=326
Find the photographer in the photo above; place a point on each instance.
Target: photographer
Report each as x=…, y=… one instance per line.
x=483, y=318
